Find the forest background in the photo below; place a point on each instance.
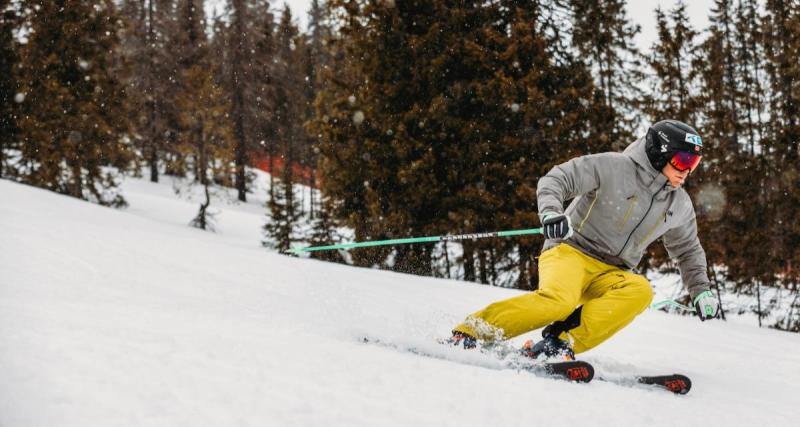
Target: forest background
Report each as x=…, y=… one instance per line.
x=410, y=118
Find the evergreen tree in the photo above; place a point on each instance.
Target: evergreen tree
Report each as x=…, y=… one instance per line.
x=671, y=62
x=150, y=46
x=729, y=170
x=282, y=217
x=748, y=55
x=317, y=59
x=8, y=84
x=780, y=146
x=553, y=94
x=205, y=133
x=240, y=46
x=73, y=120
x=289, y=115
x=439, y=117
x=604, y=38
x=265, y=62
x=324, y=233
x=673, y=80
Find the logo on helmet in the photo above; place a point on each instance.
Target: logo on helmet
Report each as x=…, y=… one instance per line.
x=694, y=139
x=663, y=136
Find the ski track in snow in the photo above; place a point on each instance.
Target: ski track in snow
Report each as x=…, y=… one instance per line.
x=132, y=318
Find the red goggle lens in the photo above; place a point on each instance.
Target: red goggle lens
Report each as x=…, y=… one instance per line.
x=683, y=161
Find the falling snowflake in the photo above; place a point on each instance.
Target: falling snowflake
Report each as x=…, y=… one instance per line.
x=358, y=117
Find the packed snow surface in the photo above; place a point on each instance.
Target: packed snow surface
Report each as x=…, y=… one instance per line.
x=131, y=318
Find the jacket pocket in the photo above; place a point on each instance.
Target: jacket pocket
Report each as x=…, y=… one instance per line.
x=589, y=211
x=662, y=219
x=624, y=221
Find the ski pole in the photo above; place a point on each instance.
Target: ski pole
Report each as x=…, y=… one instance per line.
x=445, y=238
x=674, y=304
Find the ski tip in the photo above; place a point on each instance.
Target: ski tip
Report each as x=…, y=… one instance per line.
x=680, y=384
x=582, y=373
x=676, y=383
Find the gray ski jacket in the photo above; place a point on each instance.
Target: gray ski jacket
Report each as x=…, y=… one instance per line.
x=620, y=205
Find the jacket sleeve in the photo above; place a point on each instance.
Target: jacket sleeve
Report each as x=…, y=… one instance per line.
x=567, y=181
x=683, y=245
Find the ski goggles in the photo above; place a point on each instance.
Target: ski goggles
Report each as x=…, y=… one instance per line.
x=684, y=161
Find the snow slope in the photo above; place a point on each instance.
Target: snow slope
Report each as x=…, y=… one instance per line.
x=130, y=317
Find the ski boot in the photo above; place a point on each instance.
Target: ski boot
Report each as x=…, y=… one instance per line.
x=549, y=348
x=460, y=339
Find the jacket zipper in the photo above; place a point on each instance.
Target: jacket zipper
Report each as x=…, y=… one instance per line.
x=652, y=199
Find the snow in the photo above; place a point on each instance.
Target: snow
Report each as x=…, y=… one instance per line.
x=130, y=317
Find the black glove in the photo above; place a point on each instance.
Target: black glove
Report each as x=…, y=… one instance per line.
x=706, y=305
x=556, y=227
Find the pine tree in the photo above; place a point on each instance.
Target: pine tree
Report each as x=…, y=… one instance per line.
x=553, y=93
x=8, y=85
x=324, y=233
x=748, y=56
x=240, y=46
x=265, y=62
x=733, y=118
x=204, y=134
x=673, y=80
x=289, y=116
x=781, y=32
x=671, y=63
x=282, y=217
x=148, y=48
x=73, y=120
x=434, y=121
x=604, y=38
x=317, y=60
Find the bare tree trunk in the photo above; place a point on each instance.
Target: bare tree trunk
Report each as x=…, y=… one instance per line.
x=446, y=259
x=241, y=151
x=492, y=266
x=469, y=262
x=151, y=113
x=484, y=268
x=312, y=201
x=271, y=173
x=238, y=78
x=201, y=221
x=758, y=297
x=719, y=296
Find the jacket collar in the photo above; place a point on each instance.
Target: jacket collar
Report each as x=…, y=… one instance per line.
x=655, y=180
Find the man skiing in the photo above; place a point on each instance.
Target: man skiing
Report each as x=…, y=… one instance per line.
x=621, y=202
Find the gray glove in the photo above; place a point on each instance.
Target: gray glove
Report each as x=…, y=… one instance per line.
x=706, y=305
x=556, y=227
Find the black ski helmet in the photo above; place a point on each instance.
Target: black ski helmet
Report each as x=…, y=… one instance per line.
x=668, y=137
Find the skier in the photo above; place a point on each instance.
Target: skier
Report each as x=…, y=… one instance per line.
x=621, y=203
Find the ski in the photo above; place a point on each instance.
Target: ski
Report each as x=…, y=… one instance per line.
x=571, y=370
x=676, y=383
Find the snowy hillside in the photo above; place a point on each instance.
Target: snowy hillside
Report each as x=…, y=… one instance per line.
x=132, y=318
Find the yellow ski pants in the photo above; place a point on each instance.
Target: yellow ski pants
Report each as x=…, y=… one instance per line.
x=611, y=298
